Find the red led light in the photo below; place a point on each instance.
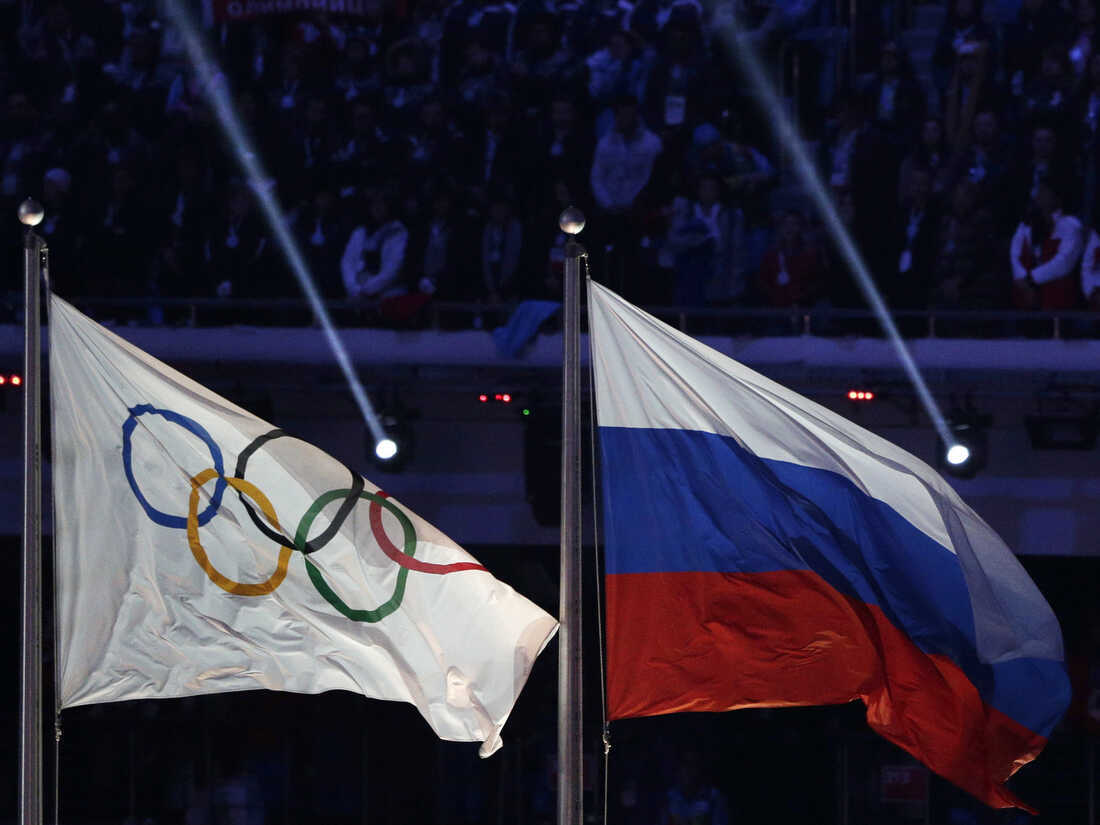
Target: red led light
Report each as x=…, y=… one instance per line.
x=483, y=398
x=870, y=395
x=498, y=397
x=852, y=395
x=860, y=395
x=3, y=380
x=506, y=398
x=16, y=380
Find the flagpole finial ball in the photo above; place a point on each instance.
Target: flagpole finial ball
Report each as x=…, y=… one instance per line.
x=571, y=221
x=31, y=212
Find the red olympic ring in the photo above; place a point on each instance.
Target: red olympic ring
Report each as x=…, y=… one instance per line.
x=403, y=559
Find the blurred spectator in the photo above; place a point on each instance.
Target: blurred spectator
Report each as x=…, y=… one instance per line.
x=986, y=162
x=618, y=68
x=931, y=154
x=437, y=250
x=480, y=78
x=692, y=799
x=238, y=252
x=501, y=247
x=967, y=269
x=651, y=17
x=541, y=64
x=702, y=238
x=971, y=89
x=1049, y=160
x=433, y=144
x=182, y=215
x=426, y=24
x=914, y=245
x=408, y=82
x=964, y=31
x=374, y=258
x=624, y=159
x=1049, y=95
x=1083, y=46
x=111, y=141
x=899, y=100
x=486, y=22
x=859, y=160
x=849, y=128
x=621, y=172
x=311, y=145
x=794, y=269
x=591, y=23
x=120, y=244
x=23, y=148
x=750, y=178
x=1045, y=252
x=321, y=230
x=678, y=85
x=62, y=52
x=359, y=74
x=376, y=28
x=286, y=93
x=496, y=151
x=1040, y=23
x=564, y=149
x=1088, y=133
x=363, y=153
x=1090, y=278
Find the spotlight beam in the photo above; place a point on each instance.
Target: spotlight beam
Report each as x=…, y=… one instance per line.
x=741, y=50
x=215, y=85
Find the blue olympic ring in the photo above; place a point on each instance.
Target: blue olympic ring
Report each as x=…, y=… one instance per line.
x=191, y=426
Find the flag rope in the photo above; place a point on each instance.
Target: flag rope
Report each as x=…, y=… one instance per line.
x=605, y=730
x=57, y=768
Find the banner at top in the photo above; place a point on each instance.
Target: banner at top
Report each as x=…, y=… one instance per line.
x=233, y=10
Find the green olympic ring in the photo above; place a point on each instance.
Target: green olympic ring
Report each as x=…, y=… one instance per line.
x=318, y=579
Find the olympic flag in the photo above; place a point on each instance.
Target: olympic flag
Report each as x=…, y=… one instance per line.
x=764, y=551
x=200, y=550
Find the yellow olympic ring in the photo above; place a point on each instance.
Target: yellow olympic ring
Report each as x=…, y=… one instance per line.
x=253, y=492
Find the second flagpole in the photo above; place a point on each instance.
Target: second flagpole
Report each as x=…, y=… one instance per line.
x=570, y=706
x=30, y=699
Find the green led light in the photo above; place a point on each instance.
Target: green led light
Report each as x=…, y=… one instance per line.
x=526, y=411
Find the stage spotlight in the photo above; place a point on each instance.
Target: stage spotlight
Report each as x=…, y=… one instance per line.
x=958, y=454
x=968, y=450
x=394, y=451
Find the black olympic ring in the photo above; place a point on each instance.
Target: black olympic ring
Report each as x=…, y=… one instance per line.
x=346, y=506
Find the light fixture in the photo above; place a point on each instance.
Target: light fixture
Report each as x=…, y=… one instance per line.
x=393, y=451
x=967, y=452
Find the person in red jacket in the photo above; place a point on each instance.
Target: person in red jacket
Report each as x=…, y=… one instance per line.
x=793, y=270
x=1045, y=251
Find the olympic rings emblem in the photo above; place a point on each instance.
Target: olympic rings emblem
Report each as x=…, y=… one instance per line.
x=404, y=556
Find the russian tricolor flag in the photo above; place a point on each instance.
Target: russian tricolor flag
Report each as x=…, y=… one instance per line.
x=763, y=551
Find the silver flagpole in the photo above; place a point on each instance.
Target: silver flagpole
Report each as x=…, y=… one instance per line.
x=30, y=700
x=570, y=708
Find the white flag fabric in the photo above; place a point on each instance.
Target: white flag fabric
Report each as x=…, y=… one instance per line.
x=200, y=550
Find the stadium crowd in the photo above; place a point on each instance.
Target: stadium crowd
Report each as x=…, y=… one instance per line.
x=422, y=150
